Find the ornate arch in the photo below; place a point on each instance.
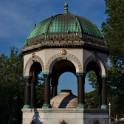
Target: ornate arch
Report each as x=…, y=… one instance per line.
x=101, y=64
x=103, y=68
x=59, y=57
x=30, y=62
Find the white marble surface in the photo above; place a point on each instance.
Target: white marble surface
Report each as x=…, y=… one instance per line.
x=70, y=116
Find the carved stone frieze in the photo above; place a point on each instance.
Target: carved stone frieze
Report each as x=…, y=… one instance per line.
x=33, y=59
x=59, y=56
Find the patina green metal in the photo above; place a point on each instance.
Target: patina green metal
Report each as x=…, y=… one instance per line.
x=39, y=29
x=89, y=28
x=63, y=25
x=65, y=8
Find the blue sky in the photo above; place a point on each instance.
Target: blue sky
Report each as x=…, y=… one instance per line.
x=17, y=17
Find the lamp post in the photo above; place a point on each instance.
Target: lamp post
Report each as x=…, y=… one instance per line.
x=109, y=113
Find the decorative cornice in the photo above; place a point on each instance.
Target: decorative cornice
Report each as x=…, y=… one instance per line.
x=67, y=44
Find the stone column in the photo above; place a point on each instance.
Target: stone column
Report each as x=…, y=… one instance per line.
x=27, y=92
x=99, y=80
x=46, y=91
x=104, y=93
x=81, y=90
x=33, y=82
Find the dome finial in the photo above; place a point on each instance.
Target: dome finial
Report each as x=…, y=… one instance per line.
x=65, y=8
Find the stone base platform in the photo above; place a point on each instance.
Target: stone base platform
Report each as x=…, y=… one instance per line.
x=65, y=116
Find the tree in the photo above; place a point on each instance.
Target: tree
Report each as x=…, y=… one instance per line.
x=113, y=29
x=92, y=99
x=39, y=95
x=11, y=87
x=92, y=78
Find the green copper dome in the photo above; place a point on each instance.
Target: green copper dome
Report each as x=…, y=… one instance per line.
x=65, y=23
x=64, y=27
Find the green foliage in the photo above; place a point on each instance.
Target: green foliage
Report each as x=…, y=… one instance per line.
x=11, y=86
x=116, y=89
x=92, y=78
x=39, y=91
x=116, y=79
x=91, y=99
x=39, y=95
x=113, y=29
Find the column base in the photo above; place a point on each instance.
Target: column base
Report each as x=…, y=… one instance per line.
x=26, y=106
x=104, y=106
x=45, y=106
x=80, y=106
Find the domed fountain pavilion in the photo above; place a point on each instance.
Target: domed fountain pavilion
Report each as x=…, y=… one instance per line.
x=64, y=43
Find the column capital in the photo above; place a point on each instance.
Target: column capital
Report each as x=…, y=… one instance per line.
x=104, y=106
x=104, y=76
x=46, y=73
x=80, y=73
x=80, y=106
x=46, y=106
x=26, y=106
x=26, y=77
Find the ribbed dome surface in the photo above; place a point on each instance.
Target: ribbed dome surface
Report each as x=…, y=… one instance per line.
x=57, y=30
x=64, y=23
x=64, y=100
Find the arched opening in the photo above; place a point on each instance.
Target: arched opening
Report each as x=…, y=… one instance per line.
x=36, y=85
x=35, y=68
x=39, y=89
x=91, y=90
x=92, y=85
x=90, y=81
x=68, y=80
x=59, y=68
